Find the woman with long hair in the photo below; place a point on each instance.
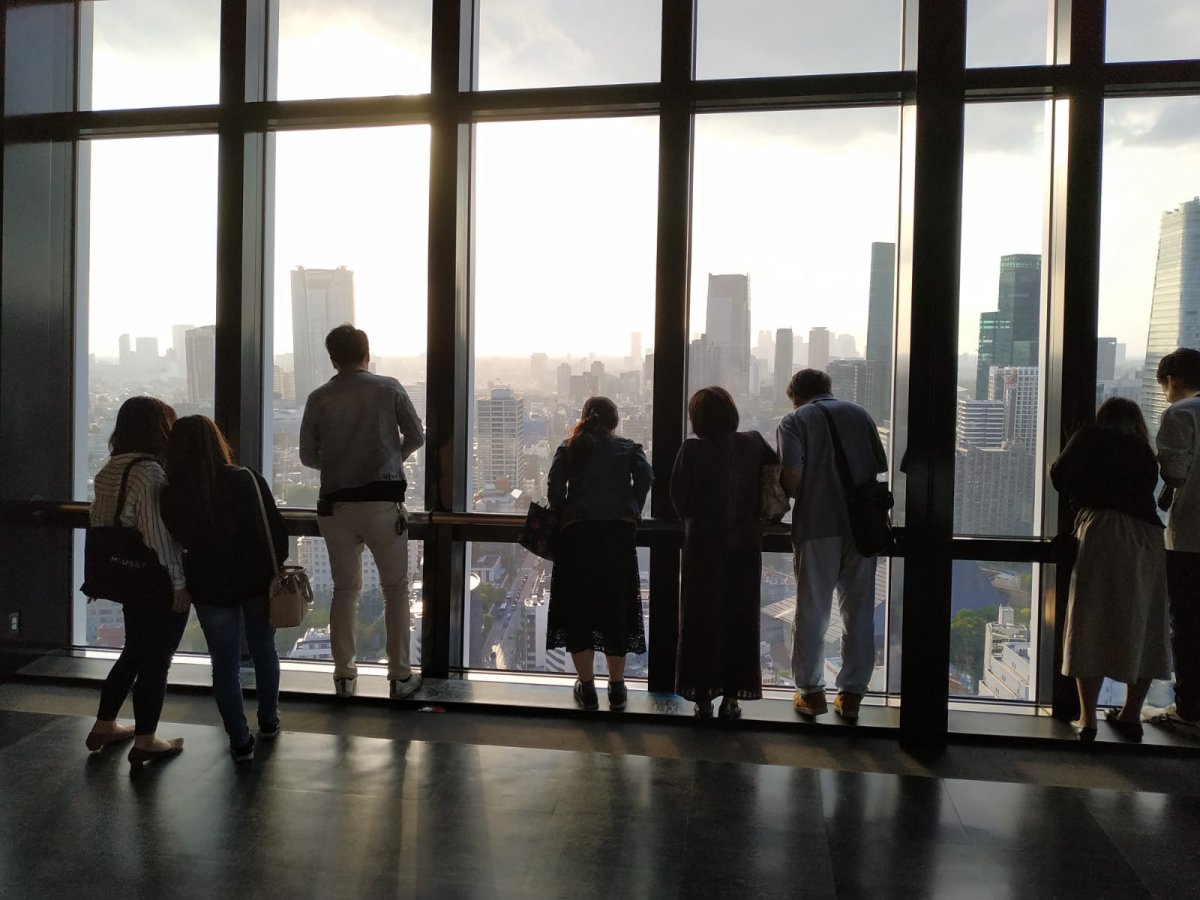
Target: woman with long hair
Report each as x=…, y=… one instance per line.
x=1117, y=609
x=598, y=483
x=138, y=448
x=212, y=507
x=716, y=489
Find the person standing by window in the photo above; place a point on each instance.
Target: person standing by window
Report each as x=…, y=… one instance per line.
x=138, y=447
x=598, y=483
x=358, y=429
x=211, y=508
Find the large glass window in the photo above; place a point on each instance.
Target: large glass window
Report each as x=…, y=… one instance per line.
x=149, y=53
x=1001, y=322
x=1152, y=29
x=350, y=245
x=1007, y=32
x=352, y=48
x=542, y=43
x=992, y=631
x=147, y=298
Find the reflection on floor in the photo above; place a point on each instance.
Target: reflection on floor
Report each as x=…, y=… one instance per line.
x=341, y=814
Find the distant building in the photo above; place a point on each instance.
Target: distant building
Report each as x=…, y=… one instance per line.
x=981, y=423
x=1005, y=658
x=179, y=345
x=200, y=350
x=500, y=439
x=1008, y=336
x=818, y=348
x=1106, y=358
x=850, y=380
x=880, y=325
x=993, y=490
x=563, y=373
x=727, y=332
x=1017, y=388
x=321, y=300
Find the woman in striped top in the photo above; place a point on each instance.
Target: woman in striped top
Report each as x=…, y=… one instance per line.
x=139, y=444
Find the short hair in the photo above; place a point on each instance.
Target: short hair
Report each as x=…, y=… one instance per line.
x=1122, y=415
x=143, y=426
x=1183, y=364
x=808, y=383
x=347, y=345
x=713, y=412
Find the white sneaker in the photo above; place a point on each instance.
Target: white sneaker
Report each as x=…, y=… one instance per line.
x=345, y=687
x=1169, y=717
x=402, y=689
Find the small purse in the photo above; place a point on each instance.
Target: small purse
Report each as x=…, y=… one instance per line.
x=774, y=502
x=290, y=596
x=117, y=564
x=540, y=530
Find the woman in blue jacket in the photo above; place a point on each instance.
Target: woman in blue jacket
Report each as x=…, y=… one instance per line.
x=598, y=485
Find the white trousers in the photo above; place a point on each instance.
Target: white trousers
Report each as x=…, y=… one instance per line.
x=821, y=566
x=373, y=524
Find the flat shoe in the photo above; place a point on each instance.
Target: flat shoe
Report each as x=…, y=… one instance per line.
x=1131, y=731
x=730, y=709
x=98, y=741
x=139, y=757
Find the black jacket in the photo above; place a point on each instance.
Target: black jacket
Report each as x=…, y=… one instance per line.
x=226, y=561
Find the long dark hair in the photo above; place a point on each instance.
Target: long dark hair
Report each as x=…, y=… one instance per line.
x=1122, y=415
x=143, y=425
x=196, y=452
x=597, y=420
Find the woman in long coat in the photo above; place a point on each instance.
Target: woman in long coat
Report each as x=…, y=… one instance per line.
x=715, y=488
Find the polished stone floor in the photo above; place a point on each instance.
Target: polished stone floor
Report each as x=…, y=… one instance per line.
x=347, y=815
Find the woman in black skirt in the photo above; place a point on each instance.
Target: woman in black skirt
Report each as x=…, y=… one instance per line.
x=598, y=485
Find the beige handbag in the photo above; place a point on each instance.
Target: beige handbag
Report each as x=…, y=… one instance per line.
x=290, y=596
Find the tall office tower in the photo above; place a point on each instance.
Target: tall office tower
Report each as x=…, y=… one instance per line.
x=321, y=300
x=179, y=345
x=648, y=370
x=727, y=330
x=126, y=351
x=1175, y=307
x=598, y=369
x=850, y=380
x=993, y=490
x=764, y=347
x=635, y=347
x=537, y=366
x=843, y=346
x=783, y=364
x=799, y=352
x=981, y=423
x=1017, y=388
x=818, y=348
x=563, y=381
x=500, y=435
x=1009, y=335
x=1106, y=358
x=147, y=352
x=201, y=348
x=881, y=312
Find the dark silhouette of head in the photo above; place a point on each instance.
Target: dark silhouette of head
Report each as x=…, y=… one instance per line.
x=1122, y=415
x=806, y=384
x=143, y=425
x=347, y=346
x=196, y=452
x=712, y=412
x=597, y=420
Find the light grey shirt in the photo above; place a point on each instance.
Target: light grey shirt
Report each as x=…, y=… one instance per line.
x=141, y=510
x=805, y=446
x=357, y=429
x=1178, y=449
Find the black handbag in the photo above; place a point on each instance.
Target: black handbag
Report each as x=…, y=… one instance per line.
x=117, y=564
x=540, y=531
x=869, y=504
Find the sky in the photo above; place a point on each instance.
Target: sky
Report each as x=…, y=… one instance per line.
x=566, y=211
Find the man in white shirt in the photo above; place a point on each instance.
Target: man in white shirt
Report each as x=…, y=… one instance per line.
x=826, y=556
x=357, y=429
x=1178, y=452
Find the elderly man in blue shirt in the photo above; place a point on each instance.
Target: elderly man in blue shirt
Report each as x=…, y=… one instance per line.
x=826, y=556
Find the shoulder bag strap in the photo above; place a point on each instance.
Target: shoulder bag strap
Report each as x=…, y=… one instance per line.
x=124, y=486
x=843, y=466
x=266, y=525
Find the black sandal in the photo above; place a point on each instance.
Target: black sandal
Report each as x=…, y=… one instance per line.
x=1131, y=731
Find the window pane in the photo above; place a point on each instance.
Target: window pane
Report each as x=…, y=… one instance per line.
x=564, y=292
x=148, y=228
x=38, y=42
x=1152, y=29
x=150, y=53
x=353, y=48
x=1007, y=32
x=507, y=604
x=990, y=631
x=1001, y=312
x=350, y=228
x=536, y=43
x=739, y=39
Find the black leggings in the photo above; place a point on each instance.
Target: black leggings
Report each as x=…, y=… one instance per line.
x=151, y=638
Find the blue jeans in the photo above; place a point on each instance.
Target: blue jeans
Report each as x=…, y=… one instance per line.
x=222, y=627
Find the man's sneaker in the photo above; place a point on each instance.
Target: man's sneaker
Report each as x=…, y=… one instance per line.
x=245, y=752
x=585, y=695
x=1170, y=718
x=846, y=705
x=403, y=688
x=269, y=732
x=617, y=695
x=810, y=704
x=345, y=687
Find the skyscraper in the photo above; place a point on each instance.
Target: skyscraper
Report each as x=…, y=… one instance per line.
x=126, y=350
x=818, y=348
x=981, y=423
x=500, y=432
x=635, y=347
x=727, y=331
x=1106, y=358
x=321, y=300
x=880, y=323
x=563, y=381
x=1008, y=336
x=783, y=363
x=1175, y=306
x=850, y=380
x=179, y=345
x=200, y=348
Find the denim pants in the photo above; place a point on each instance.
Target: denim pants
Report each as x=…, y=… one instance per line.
x=152, y=636
x=222, y=627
